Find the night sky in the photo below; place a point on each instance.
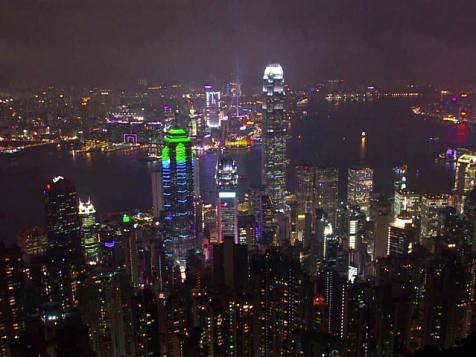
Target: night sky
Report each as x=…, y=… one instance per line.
x=115, y=42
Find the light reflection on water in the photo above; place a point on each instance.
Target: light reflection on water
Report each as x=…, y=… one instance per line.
x=327, y=136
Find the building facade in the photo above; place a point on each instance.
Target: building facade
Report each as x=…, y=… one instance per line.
x=274, y=136
x=227, y=207
x=178, y=188
x=62, y=217
x=360, y=187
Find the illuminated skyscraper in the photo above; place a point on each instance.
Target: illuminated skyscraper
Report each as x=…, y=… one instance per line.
x=193, y=123
x=89, y=239
x=406, y=200
x=360, y=187
x=62, y=218
x=400, y=178
x=234, y=94
x=465, y=177
x=355, y=228
x=212, y=107
x=327, y=191
x=401, y=235
x=332, y=286
x=305, y=189
x=430, y=207
x=33, y=241
x=227, y=207
x=248, y=230
x=274, y=135
x=177, y=178
x=12, y=296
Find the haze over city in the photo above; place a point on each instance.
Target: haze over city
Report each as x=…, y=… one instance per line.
x=114, y=42
x=214, y=178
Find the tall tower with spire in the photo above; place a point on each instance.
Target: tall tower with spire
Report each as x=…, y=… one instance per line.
x=274, y=135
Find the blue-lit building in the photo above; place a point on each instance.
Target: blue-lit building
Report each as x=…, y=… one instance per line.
x=178, y=192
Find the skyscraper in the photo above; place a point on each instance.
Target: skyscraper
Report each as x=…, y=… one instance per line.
x=62, y=218
x=89, y=239
x=406, y=200
x=234, y=94
x=430, y=206
x=177, y=178
x=400, y=178
x=212, y=107
x=227, y=207
x=326, y=188
x=465, y=177
x=33, y=241
x=305, y=189
x=12, y=296
x=360, y=187
x=355, y=228
x=274, y=135
x=157, y=194
x=401, y=235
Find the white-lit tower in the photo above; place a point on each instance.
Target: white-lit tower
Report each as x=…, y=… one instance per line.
x=213, y=104
x=227, y=207
x=89, y=234
x=274, y=136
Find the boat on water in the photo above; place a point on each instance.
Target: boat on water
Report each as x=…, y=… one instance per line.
x=150, y=157
x=10, y=152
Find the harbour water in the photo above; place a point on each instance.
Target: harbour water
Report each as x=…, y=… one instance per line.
x=327, y=135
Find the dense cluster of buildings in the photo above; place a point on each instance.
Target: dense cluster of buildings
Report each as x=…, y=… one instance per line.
x=318, y=272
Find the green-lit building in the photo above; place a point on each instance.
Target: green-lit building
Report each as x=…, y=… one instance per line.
x=89, y=239
x=178, y=186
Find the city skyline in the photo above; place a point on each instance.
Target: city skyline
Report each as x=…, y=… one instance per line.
x=147, y=215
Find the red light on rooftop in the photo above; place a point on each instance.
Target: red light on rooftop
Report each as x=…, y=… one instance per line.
x=48, y=187
x=319, y=300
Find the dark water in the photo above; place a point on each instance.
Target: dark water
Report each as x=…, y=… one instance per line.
x=331, y=135
x=328, y=135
